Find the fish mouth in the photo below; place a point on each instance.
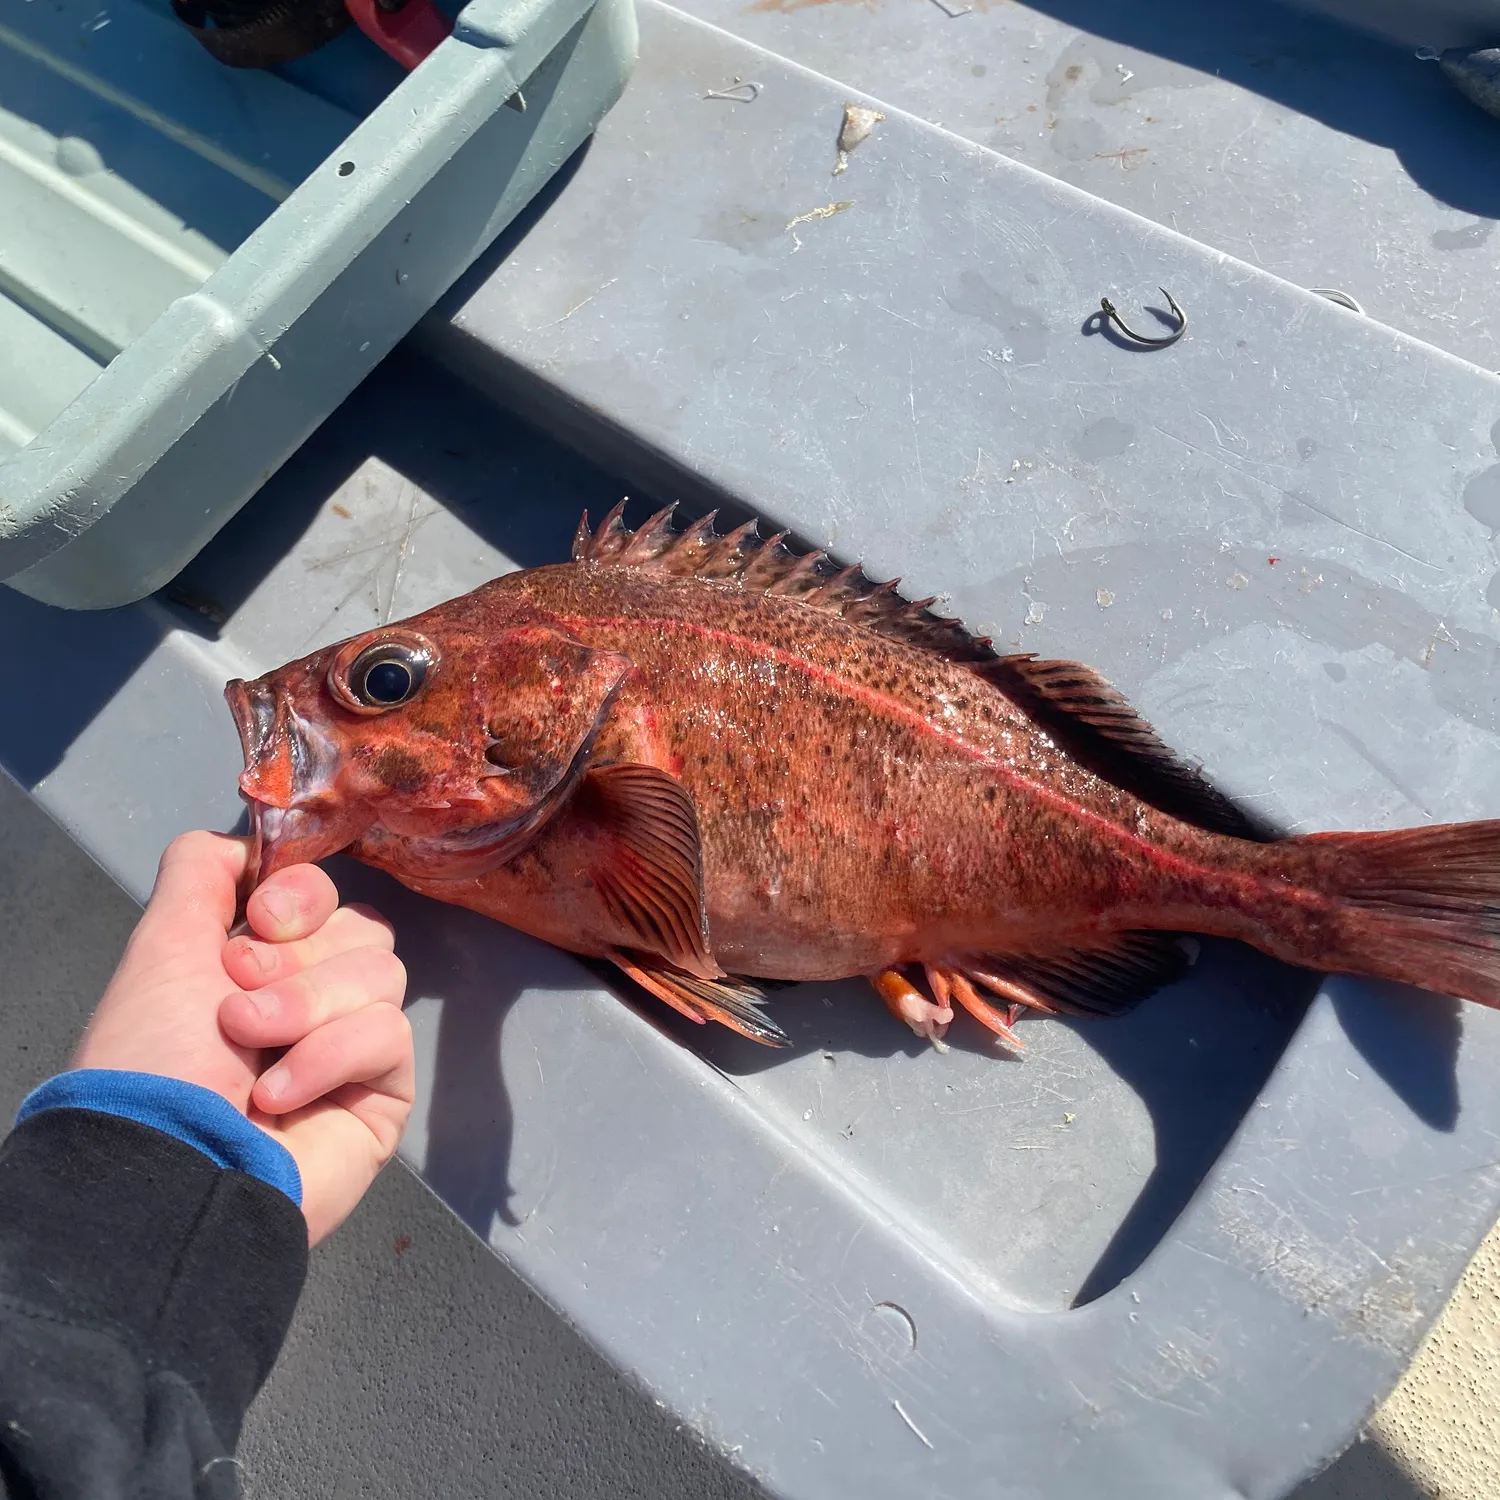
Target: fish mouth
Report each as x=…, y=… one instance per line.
x=287, y=767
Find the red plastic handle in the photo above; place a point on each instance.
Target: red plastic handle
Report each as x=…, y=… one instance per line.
x=408, y=34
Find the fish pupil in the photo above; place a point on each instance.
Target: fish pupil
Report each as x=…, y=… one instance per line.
x=388, y=682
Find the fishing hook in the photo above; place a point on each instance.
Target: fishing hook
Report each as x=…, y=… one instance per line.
x=739, y=92
x=1342, y=298
x=1112, y=315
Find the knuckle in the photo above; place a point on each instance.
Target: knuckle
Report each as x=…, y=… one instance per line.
x=297, y=997
x=187, y=846
x=397, y=1026
x=385, y=970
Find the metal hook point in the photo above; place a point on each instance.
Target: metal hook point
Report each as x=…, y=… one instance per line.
x=1111, y=314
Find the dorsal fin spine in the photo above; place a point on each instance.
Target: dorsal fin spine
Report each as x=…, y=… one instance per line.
x=741, y=557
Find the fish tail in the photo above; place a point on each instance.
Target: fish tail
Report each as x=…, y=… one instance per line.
x=1420, y=906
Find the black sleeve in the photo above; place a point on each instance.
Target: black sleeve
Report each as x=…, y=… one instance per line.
x=144, y=1295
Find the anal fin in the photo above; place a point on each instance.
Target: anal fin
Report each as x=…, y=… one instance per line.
x=731, y=1002
x=1109, y=978
x=963, y=991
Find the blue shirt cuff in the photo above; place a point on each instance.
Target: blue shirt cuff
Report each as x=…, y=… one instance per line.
x=192, y=1113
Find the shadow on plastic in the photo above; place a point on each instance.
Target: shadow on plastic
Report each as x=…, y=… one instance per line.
x=1366, y=1471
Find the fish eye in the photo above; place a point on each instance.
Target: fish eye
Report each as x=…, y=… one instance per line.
x=388, y=681
x=384, y=675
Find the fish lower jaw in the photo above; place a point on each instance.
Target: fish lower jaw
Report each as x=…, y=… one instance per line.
x=283, y=836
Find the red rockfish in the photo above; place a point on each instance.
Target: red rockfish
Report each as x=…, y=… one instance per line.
x=712, y=761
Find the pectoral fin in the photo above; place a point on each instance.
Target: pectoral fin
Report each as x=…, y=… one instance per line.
x=650, y=866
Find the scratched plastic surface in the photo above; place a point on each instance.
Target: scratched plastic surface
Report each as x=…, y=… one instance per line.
x=843, y=1239
x=1291, y=141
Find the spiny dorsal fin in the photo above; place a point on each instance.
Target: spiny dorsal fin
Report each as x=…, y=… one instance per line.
x=1091, y=720
x=1095, y=724
x=746, y=558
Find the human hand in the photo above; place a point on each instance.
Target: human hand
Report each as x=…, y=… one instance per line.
x=314, y=977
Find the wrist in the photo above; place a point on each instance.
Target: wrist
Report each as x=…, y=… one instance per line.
x=190, y=1112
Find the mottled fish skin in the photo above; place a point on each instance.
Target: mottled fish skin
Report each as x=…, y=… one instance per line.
x=704, y=757
x=862, y=802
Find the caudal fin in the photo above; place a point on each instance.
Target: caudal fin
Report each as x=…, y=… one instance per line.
x=1420, y=905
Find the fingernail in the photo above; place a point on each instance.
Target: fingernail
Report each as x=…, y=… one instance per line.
x=282, y=907
x=266, y=1002
x=260, y=958
x=275, y=1083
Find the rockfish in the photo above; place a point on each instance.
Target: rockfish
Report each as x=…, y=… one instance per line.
x=712, y=761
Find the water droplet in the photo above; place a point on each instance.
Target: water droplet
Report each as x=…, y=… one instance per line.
x=1482, y=497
